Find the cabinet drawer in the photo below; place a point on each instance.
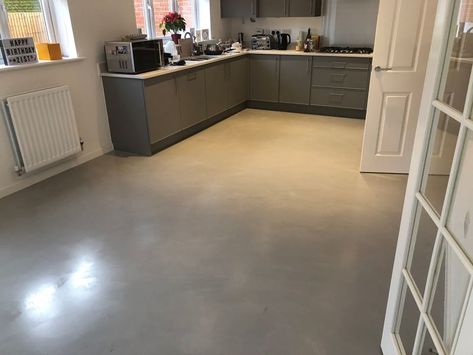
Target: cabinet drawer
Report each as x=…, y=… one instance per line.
x=340, y=78
x=354, y=99
x=342, y=63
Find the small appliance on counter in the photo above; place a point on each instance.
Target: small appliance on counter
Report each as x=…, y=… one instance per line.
x=134, y=57
x=261, y=42
x=284, y=40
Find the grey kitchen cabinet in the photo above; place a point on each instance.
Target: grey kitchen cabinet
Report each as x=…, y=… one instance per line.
x=216, y=88
x=294, y=82
x=264, y=78
x=272, y=8
x=341, y=98
x=238, y=82
x=305, y=8
x=127, y=117
x=238, y=8
x=227, y=85
x=192, y=100
x=340, y=82
x=163, y=120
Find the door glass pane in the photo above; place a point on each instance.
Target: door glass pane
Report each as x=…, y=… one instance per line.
x=424, y=241
x=429, y=347
x=449, y=297
x=461, y=216
x=445, y=136
x=409, y=316
x=460, y=60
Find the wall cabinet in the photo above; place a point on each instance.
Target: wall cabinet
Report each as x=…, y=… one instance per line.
x=264, y=78
x=294, y=83
x=304, y=8
x=271, y=8
x=238, y=8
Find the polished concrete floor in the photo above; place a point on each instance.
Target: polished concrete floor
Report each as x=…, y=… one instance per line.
x=256, y=236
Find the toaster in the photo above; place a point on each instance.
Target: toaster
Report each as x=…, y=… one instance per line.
x=261, y=42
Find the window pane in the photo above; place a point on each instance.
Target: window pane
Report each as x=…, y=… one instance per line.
x=410, y=316
x=445, y=133
x=424, y=244
x=449, y=296
x=161, y=8
x=461, y=216
x=140, y=15
x=428, y=347
x=203, y=14
x=26, y=19
x=185, y=8
x=459, y=62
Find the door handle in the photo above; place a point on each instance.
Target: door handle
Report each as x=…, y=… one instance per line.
x=378, y=69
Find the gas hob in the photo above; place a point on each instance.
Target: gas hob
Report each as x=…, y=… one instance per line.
x=346, y=50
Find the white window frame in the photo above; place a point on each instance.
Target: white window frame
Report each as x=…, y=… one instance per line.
x=150, y=23
x=45, y=9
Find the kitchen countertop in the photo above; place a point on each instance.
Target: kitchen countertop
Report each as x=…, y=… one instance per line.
x=195, y=64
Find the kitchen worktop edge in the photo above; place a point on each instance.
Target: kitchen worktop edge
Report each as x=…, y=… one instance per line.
x=168, y=70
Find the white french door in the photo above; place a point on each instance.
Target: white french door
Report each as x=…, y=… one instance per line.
x=430, y=305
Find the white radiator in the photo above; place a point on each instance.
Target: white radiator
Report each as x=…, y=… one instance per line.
x=42, y=128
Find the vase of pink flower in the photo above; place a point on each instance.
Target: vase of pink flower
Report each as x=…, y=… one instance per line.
x=173, y=22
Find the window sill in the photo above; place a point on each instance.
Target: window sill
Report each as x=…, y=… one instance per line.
x=41, y=63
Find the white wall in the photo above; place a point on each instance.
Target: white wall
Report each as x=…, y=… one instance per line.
x=93, y=21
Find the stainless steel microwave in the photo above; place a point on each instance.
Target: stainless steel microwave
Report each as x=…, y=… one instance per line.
x=135, y=56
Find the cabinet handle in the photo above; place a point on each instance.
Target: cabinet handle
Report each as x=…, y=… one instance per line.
x=336, y=97
x=338, y=78
x=191, y=77
x=277, y=67
x=308, y=65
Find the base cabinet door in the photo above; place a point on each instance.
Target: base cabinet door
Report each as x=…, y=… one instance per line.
x=192, y=101
x=295, y=76
x=264, y=78
x=161, y=108
x=216, y=89
x=238, y=81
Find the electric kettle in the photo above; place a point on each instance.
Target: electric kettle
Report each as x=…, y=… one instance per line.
x=284, y=40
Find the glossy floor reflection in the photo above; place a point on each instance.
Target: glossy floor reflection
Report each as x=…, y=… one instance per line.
x=257, y=236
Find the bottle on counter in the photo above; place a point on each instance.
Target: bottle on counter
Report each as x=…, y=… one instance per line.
x=308, y=43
